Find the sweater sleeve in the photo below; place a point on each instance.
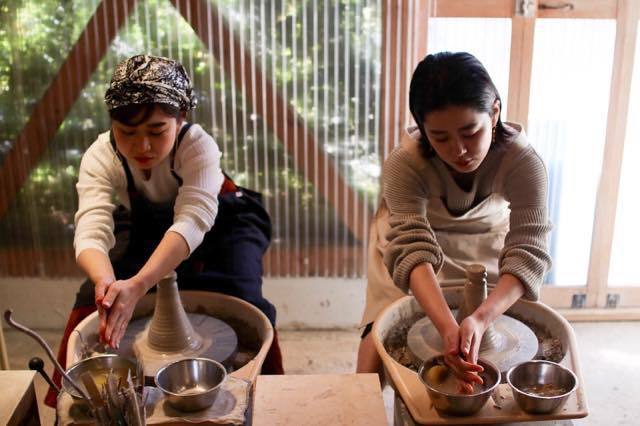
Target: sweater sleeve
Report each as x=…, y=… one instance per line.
x=99, y=177
x=411, y=239
x=198, y=164
x=525, y=254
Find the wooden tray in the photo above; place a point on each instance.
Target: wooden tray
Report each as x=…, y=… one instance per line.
x=414, y=395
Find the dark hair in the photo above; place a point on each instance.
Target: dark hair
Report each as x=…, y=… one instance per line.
x=134, y=114
x=453, y=79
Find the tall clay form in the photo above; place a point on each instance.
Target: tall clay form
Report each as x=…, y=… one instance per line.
x=173, y=334
x=506, y=342
x=170, y=330
x=475, y=292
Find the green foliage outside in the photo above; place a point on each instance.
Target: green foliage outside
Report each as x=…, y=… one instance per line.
x=36, y=36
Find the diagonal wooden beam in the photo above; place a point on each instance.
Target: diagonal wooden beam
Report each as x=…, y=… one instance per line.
x=285, y=127
x=51, y=110
x=404, y=44
x=598, y=287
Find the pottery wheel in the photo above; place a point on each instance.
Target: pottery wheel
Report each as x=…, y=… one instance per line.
x=219, y=342
x=515, y=342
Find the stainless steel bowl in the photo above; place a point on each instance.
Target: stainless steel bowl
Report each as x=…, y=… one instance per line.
x=99, y=367
x=191, y=384
x=524, y=376
x=460, y=404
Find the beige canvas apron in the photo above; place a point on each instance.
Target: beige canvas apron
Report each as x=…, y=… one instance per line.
x=477, y=236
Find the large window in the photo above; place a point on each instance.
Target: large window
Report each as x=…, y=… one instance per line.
x=288, y=89
x=624, y=271
x=570, y=82
x=488, y=39
x=306, y=99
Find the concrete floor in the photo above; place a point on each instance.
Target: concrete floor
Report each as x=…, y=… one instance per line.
x=608, y=353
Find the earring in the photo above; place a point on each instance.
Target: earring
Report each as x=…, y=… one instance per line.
x=493, y=135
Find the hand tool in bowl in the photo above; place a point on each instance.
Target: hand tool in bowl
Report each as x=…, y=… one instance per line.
x=47, y=349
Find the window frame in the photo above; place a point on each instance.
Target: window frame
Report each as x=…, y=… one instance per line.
x=596, y=299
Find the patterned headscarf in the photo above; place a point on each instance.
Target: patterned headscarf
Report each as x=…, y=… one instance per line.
x=144, y=79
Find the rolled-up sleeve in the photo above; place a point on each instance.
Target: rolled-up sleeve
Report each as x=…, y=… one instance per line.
x=411, y=240
x=525, y=254
x=99, y=176
x=196, y=207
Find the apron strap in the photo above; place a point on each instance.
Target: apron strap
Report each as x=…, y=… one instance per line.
x=227, y=185
x=183, y=132
x=131, y=188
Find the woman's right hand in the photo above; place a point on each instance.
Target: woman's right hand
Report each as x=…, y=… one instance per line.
x=97, y=266
x=424, y=286
x=101, y=288
x=466, y=372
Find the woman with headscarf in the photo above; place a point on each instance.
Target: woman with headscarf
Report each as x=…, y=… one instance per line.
x=153, y=199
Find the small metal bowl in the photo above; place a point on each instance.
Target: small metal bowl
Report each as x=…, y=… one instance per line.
x=99, y=367
x=460, y=404
x=191, y=384
x=539, y=373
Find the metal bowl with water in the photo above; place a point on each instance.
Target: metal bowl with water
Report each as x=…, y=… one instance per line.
x=191, y=384
x=99, y=367
x=459, y=404
x=541, y=387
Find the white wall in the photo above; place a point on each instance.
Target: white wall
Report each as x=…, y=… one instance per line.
x=318, y=303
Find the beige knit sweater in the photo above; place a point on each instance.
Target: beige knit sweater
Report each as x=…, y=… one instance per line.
x=409, y=179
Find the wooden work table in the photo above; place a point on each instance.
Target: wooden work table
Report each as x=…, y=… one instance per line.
x=341, y=399
x=18, y=404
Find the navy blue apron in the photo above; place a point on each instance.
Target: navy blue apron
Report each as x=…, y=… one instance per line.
x=229, y=259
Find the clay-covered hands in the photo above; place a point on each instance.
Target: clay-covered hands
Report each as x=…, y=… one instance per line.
x=471, y=331
x=100, y=290
x=467, y=372
x=119, y=301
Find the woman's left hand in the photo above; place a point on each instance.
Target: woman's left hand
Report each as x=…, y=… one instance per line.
x=120, y=301
x=471, y=331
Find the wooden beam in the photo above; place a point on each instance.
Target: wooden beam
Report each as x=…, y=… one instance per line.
x=4, y=357
x=607, y=197
x=404, y=69
x=473, y=8
x=578, y=9
x=628, y=296
x=404, y=43
x=423, y=11
x=60, y=262
x=600, y=314
x=386, y=66
x=289, y=127
x=418, y=20
x=522, y=37
x=50, y=111
x=560, y=296
x=334, y=261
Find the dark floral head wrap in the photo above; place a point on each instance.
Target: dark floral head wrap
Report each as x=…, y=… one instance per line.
x=145, y=79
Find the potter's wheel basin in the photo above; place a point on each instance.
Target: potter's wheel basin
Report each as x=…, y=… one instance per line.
x=513, y=342
x=252, y=327
x=413, y=394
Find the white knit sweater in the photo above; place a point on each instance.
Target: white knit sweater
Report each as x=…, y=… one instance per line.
x=102, y=185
